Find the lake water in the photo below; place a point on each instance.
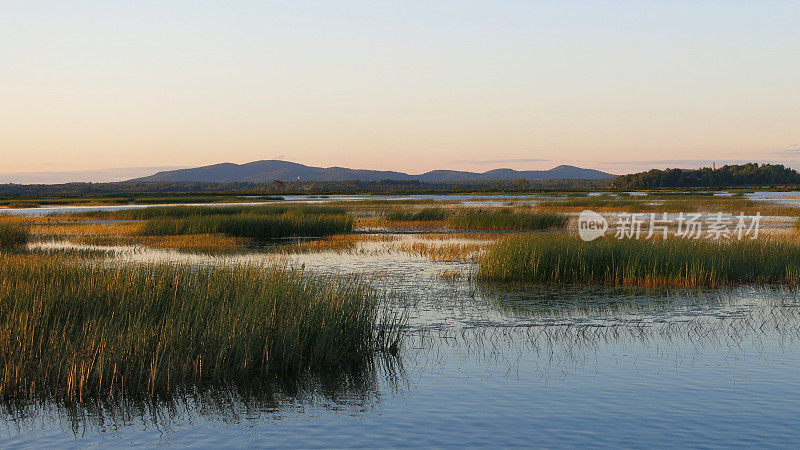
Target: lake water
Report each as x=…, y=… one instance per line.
x=489, y=365
x=470, y=200
x=465, y=199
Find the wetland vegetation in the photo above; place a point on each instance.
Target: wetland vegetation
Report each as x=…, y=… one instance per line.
x=507, y=219
x=257, y=226
x=679, y=262
x=72, y=329
x=13, y=236
x=423, y=214
x=182, y=303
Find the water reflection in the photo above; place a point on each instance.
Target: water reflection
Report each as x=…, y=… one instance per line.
x=347, y=391
x=570, y=325
x=479, y=354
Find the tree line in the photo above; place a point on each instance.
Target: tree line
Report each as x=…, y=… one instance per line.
x=135, y=188
x=751, y=174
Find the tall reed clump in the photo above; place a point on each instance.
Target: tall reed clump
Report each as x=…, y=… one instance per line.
x=422, y=214
x=259, y=226
x=509, y=220
x=71, y=329
x=672, y=262
x=13, y=236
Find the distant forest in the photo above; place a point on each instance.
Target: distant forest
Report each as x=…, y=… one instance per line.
x=136, y=189
x=751, y=174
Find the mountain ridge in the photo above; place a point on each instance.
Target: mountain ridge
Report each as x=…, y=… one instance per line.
x=269, y=170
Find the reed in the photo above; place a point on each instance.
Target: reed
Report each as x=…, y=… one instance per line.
x=256, y=226
x=13, y=236
x=424, y=214
x=70, y=328
x=672, y=262
x=508, y=219
x=450, y=275
x=342, y=243
x=84, y=229
x=21, y=204
x=439, y=251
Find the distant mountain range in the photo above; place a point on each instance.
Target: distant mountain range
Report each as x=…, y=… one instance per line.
x=270, y=170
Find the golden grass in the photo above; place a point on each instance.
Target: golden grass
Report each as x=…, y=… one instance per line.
x=338, y=243
x=444, y=252
x=73, y=328
x=185, y=241
x=82, y=229
x=8, y=218
x=507, y=219
x=673, y=262
x=450, y=275
x=194, y=241
x=383, y=222
x=460, y=235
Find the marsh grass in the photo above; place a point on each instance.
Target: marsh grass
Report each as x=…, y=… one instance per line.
x=672, y=203
x=444, y=251
x=674, y=262
x=508, y=219
x=87, y=229
x=13, y=236
x=252, y=225
x=39, y=220
x=178, y=212
x=380, y=222
x=211, y=244
x=343, y=243
x=424, y=214
x=259, y=222
x=450, y=275
x=21, y=204
x=70, y=328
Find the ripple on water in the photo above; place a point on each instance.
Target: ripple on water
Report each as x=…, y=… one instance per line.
x=492, y=365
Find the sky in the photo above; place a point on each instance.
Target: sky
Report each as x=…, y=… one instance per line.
x=99, y=90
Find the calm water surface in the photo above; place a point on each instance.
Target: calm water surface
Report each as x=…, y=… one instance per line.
x=465, y=199
x=488, y=365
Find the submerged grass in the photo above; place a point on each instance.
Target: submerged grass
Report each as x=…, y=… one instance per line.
x=508, y=219
x=672, y=262
x=438, y=251
x=70, y=328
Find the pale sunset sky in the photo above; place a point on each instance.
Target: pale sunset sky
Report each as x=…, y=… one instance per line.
x=621, y=86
